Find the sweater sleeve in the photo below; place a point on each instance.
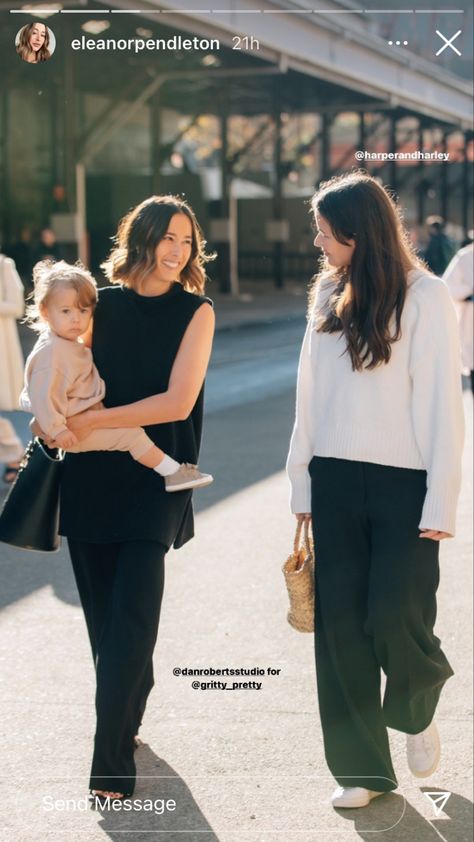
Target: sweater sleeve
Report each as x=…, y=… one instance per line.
x=301, y=447
x=437, y=408
x=457, y=279
x=47, y=392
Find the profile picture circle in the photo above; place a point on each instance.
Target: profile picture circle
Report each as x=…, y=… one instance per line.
x=35, y=42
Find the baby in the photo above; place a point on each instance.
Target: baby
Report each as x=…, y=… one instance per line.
x=61, y=379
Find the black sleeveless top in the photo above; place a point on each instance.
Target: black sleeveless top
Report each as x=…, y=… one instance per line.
x=108, y=496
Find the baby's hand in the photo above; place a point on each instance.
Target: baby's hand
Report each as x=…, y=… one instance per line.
x=66, y=439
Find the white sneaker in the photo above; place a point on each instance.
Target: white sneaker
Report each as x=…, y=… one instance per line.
x=424, y=752
x=353, y=796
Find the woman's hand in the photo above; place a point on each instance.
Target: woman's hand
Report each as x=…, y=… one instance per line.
x=303, y=516
x=434, y=534
x=83, y=424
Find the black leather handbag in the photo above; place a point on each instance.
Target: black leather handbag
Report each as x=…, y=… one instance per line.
x=30, y=514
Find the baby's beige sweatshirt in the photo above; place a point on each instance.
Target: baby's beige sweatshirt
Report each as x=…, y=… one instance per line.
x=61, y=380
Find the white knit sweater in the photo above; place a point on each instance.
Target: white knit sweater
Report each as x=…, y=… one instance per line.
x=407, y=413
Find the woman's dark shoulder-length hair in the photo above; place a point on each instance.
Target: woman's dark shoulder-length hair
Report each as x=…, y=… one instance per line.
x=23, y=48
x=369, y=295
x=140, y=231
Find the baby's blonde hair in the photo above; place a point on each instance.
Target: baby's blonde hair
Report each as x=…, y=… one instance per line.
x=48, y=278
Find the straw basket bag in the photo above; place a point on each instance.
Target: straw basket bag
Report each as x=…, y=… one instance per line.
x=298, y=571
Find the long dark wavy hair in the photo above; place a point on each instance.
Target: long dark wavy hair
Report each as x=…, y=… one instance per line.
x=24, y=49
x=138, y=235
x=369, y=295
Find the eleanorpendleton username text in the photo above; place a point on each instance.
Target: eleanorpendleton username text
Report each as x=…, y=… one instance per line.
x=138, y=45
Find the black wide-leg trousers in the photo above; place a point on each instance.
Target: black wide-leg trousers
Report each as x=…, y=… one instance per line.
x=121, y=587
x=376, y=583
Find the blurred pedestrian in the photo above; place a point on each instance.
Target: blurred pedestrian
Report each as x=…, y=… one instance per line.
x=11, y=363
x=440, y=248
x=375, y=463
x=11, y=450
x=459, y=277
x=469, y=239
x=47, y=248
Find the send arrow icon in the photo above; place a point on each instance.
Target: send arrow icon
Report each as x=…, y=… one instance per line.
x=438, y=800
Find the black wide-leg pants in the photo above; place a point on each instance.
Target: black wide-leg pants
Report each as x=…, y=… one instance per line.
x=376, y=584
x=121, y=587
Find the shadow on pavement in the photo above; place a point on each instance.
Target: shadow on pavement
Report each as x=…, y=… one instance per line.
x=405, y=824
x=24, y=572
x=157, y=781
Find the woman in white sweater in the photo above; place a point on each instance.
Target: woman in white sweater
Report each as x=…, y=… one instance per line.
x=375, y=462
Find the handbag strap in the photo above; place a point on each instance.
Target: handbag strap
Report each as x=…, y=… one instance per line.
x=302, y=525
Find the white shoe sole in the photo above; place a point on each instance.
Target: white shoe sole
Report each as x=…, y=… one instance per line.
x=199, y=483
x=338, y=803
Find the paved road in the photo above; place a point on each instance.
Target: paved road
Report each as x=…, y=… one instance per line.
x=244, y=764
x=253, y=363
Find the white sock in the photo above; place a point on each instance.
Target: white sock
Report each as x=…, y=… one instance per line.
x=167, y=466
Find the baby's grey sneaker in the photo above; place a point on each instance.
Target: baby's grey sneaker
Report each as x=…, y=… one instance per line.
x=187, y=476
